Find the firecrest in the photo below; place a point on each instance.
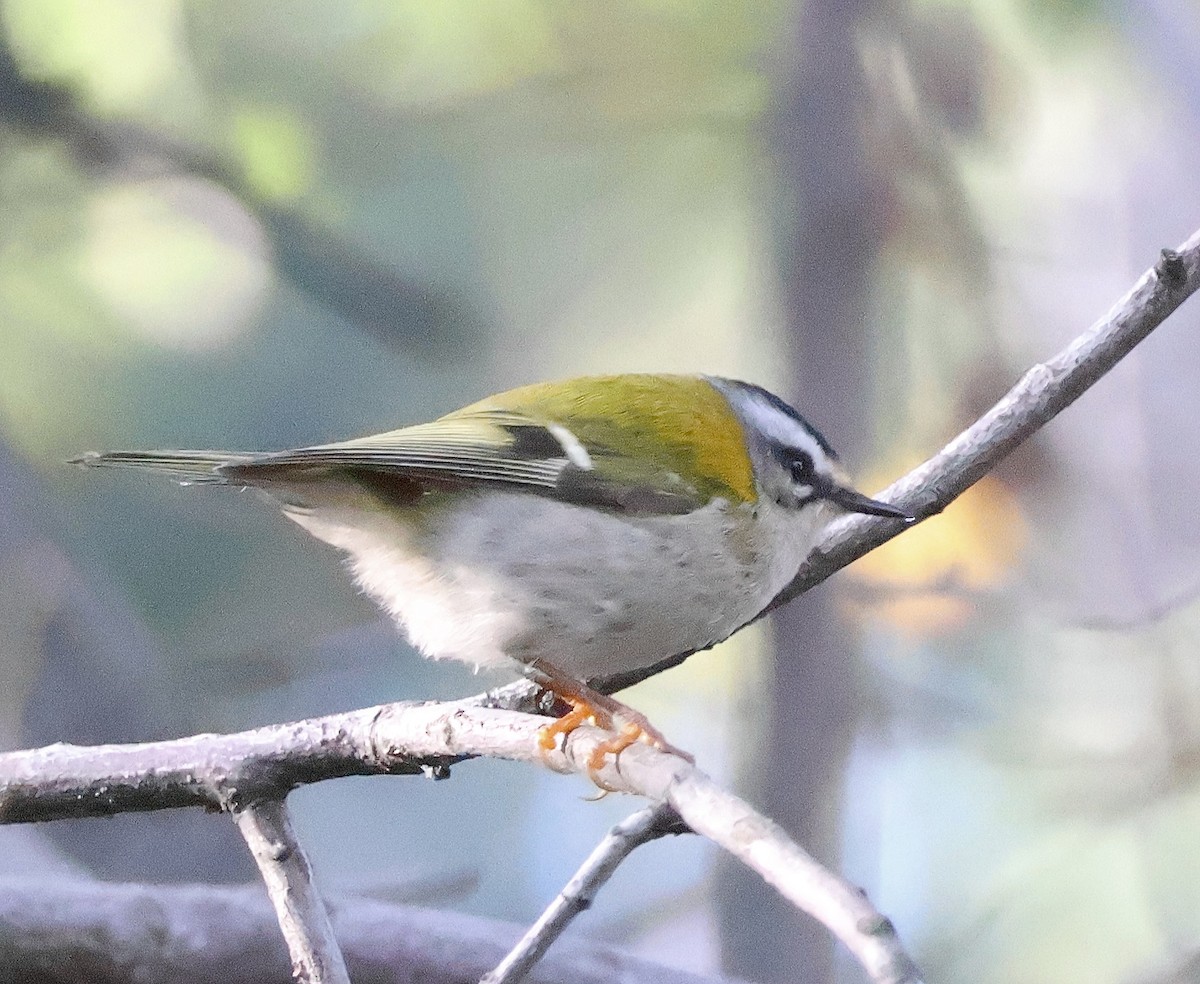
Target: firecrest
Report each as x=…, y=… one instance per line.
x=577, y=529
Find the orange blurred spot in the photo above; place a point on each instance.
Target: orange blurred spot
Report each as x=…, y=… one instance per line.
x=929, y=580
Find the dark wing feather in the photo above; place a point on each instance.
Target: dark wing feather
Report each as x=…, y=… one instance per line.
x=484, y=447
x=456, y=449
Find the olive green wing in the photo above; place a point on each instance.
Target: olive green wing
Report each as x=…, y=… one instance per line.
x=490, y=448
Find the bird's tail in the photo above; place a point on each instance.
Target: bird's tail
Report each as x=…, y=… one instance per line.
x=187, y=467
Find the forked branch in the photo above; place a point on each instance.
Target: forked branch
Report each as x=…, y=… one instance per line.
x=235, y=771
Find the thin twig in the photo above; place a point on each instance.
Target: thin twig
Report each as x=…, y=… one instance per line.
x=577, y=895
x=267, y=830
x=765, y=847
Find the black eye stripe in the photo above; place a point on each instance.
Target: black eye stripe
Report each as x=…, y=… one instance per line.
x=798, y=463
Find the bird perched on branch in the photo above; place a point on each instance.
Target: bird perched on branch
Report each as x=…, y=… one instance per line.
x=576, y=530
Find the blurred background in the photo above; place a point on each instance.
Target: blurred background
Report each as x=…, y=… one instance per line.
x=256, y=225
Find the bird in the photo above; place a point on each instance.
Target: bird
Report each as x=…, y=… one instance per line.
x=571, y=530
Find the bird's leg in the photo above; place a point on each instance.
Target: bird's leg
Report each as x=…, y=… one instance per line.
x=606, y=712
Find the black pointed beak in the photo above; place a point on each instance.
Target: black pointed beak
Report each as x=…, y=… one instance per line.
x=853, y=501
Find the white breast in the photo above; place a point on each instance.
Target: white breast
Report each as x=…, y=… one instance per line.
x=499, y=576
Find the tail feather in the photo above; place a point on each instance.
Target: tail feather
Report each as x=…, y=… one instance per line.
x=195, y=467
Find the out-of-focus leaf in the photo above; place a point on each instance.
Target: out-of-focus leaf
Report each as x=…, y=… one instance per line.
x=121, y=54
x=927, y=582
x=208, y=255
x=276, y=152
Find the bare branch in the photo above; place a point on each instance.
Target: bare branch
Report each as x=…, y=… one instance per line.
x=408, y=738
x=578, y=894
x=221, y=772
x=1041, y=395
x=285, y=870
x=55, y=931
x=229, y=771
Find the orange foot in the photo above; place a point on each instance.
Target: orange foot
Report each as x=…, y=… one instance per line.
x=605, y=712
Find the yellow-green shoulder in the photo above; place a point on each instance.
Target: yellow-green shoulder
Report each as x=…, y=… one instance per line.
x=681, y=422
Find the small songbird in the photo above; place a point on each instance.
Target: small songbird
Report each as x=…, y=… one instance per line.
x=578, y=529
